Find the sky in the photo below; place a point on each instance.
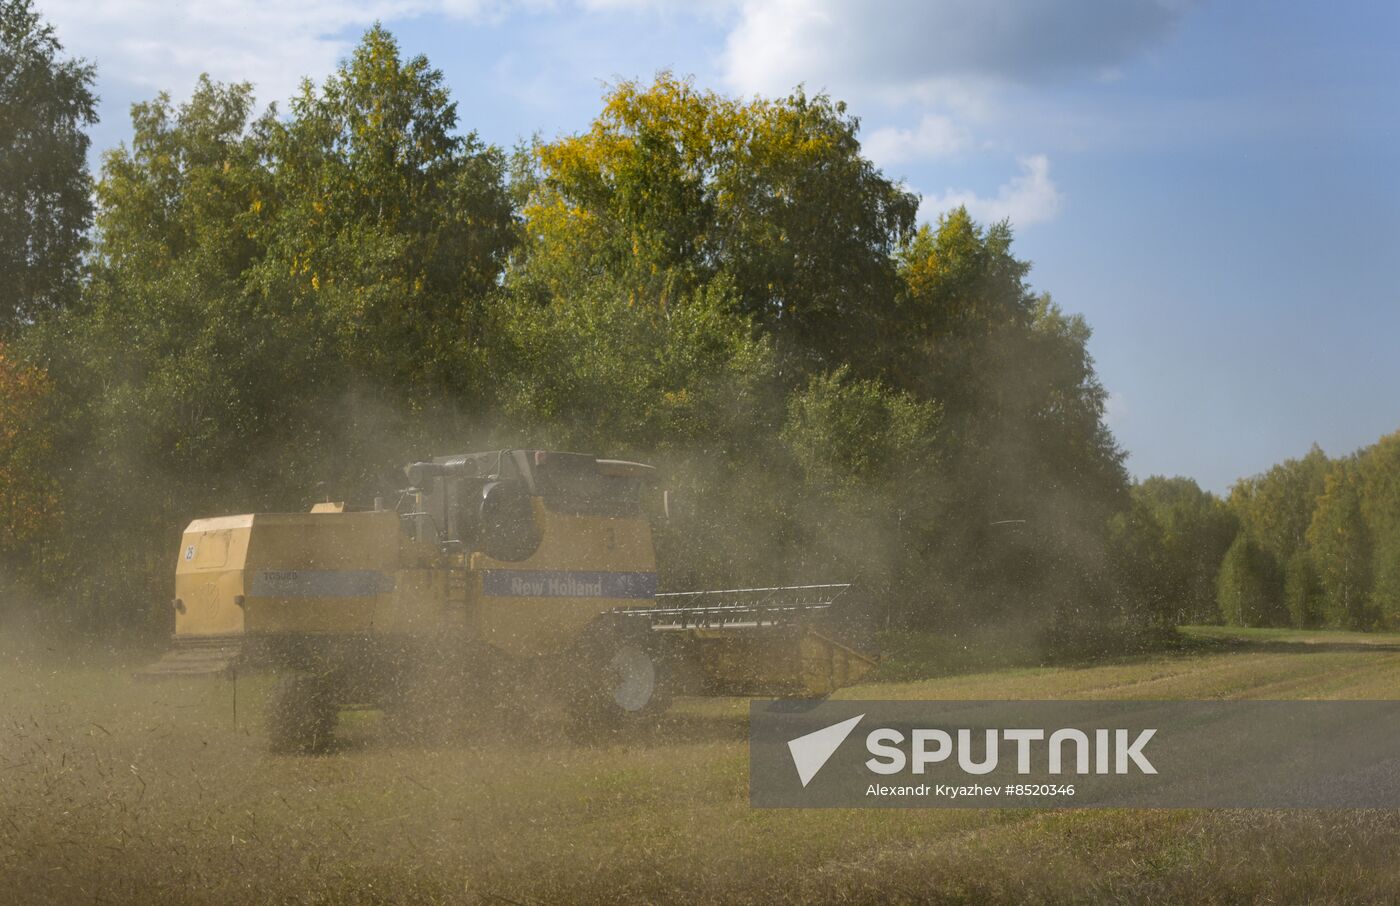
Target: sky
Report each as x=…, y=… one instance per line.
x=1215, y=186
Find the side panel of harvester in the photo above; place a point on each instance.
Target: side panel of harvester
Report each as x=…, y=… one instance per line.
x=321, y=572
x=585, y=565
x=290, y=574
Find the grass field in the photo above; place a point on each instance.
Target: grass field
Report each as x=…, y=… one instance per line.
x=112, y=791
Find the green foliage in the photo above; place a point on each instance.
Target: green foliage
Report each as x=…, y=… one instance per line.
x=46, y=102
x=598, y=370
x=1277, y=507
x=848, y=433
x=162, y=369
x=274, y=303
x=1302, y=591
x=1385, y=575
x=1341, y=541
x=875, y=333
x=1010, y=368
x=869, y=460
x=385, y=221
x=1249, y=588
x=1033, y=474
x=673, y=187
x=1168, y=546
x=29, y=502
x=726, y=288
x=1380, y=504
x=1335, y=525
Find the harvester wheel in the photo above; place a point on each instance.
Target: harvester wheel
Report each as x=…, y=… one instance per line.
x=301, y=714
x=622, y=681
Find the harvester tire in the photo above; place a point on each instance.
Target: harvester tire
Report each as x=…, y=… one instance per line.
x=622, y=682
x=301, y=715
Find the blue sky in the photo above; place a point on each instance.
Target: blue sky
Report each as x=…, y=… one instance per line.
x=1213, y=185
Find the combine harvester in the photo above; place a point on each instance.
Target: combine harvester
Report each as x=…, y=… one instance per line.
x=508, y=566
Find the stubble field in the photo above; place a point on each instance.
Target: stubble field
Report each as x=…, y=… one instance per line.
x=115, y=791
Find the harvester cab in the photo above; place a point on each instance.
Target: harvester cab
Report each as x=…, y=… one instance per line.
x=506, y=563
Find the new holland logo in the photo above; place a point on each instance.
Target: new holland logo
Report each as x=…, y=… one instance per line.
x=813, y=750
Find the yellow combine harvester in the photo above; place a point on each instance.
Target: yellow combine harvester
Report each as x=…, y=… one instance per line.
x=508, y=564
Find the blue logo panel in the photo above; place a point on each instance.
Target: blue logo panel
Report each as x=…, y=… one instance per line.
x=549, y=583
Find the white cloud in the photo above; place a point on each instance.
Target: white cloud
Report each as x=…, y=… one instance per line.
x=935, y=136
x=940, y=73
x=908, y=48
x=1031, y=197
x=709, y=8
x=766, y=54
x=275, y=43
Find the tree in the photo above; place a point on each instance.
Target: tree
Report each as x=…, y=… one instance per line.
x=1010, y=368
x=46, y=102
x=871, y=492
x=601, y=369
x=852, y=433
x=1249, y=587
x=673, y=187
x=1025, y=440
x=1380, y=505
x=169, y=374
x=29, y=500
x=1385, y=573
x=1277, y=507
x=1169, y=544
x=273, y=303
x=385, y=219
x=1302, y=591
x=1341, y=543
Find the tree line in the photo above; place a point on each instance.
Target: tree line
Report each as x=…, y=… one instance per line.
x=1319, y=542
x=252, y=309
x=1312, y=542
